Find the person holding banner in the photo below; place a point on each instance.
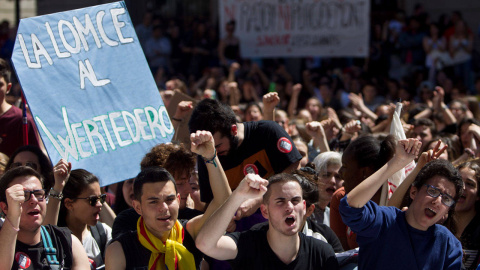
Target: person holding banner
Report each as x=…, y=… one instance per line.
x=26, y=244
x=11, y=117
x=161, y=239
x=390, y=238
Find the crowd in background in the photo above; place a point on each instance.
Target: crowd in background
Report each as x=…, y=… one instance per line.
x=428, y=65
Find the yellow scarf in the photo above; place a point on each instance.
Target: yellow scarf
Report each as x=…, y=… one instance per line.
x=174, y=254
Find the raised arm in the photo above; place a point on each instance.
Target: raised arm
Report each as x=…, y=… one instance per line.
x=211, y=239
x=315, y=130
x=8, y=234
x=270, y=100
x=61, y=172
x=204, y=145
x=357, y=102
x=399, y=194
x=293, y=104
x=405, y=152
x=439, y=106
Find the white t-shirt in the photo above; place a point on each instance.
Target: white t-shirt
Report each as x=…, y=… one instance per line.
x=91, y=247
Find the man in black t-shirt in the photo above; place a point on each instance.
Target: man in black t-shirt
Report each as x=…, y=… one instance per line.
x=278, y=246
x=161, y=239
x=262, y=148
x=25, y=244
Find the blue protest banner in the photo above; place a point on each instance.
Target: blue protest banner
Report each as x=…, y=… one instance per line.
x=90, y=90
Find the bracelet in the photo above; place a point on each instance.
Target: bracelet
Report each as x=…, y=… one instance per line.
x=176, y=119
x=11, y=224
x=212, y=160
x=55, y=194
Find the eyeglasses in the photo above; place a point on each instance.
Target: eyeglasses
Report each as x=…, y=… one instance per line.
x=28, y=164
x=39, y=194
x=435, y=192
x=92, y=200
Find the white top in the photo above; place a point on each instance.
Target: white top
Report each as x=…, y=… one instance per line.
x=92, y=249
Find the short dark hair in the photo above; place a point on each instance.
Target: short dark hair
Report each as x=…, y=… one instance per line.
x=213, y=116
x=425, y=122
x=5, y=70
x=10, y=175
x=152, y=174
x=440, y=167
x=279, y=179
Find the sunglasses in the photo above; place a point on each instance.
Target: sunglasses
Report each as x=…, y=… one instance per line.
x=28, y=164
x=39, y=194
x=435, y=192
x=92, y=200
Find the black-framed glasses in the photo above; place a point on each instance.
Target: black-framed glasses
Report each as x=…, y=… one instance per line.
x=38, y=193
x=435, y=192
x=92, y=200
x=28, y=164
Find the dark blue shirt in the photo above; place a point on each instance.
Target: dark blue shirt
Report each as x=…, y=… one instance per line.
x=386, y=240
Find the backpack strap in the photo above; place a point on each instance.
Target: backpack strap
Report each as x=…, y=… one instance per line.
x=50, y=250
x=100, y=236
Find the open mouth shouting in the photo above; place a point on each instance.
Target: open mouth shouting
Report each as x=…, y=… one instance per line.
x=461, y=199
x=430, y=213
x=290, y=221
x=96, y=215
x=330, y=190
x=34, y=213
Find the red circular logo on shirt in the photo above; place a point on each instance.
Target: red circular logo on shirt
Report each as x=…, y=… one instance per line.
x=23, y=260
x=250, y=168
x=284, y=145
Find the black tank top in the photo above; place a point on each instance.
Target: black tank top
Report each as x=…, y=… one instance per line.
x=34, y=256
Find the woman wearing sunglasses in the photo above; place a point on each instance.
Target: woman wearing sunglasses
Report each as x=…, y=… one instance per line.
x=80, y=209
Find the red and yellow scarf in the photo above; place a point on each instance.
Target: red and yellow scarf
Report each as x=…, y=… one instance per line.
x=169, y=255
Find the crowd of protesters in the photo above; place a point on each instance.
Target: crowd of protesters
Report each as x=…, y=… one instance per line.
x=281, y=170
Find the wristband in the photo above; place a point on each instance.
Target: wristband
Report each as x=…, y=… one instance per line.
x=212, y=160
x=55, y=194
